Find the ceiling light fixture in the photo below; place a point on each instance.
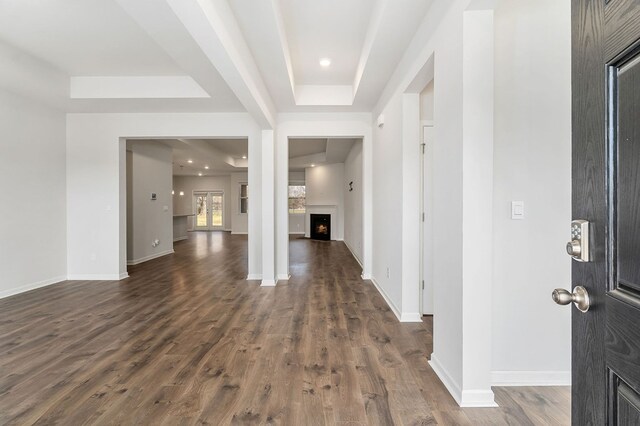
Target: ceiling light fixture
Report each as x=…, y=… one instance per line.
x=189, y=161
x=200, y=174
x=325, y=62
x=173, y=192
x=181, y=193
x=244, y=157
x=206, y=167
x=313, y=165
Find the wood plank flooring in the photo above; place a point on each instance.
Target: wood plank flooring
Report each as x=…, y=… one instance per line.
x=186, y=340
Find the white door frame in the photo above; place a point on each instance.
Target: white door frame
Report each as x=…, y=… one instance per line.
x=426, y=222
x=209, y=194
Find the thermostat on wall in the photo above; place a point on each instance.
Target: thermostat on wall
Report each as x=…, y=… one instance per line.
x=153, y=196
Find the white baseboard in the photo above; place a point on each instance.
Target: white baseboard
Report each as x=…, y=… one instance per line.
x=239, y=233
x=353, y=253
x=254, y=277
x=445, y=378
x=180, y=239
x=468, y=398
x=365, y=276
x=531, y=378
x=32, y=286
x=402, y=316
x=296, y=233
x=268, y=283
x=386, y=298
x=410, y=317
x=97, y=277
x=478, y=398
x=150, y=257
x=283, y=277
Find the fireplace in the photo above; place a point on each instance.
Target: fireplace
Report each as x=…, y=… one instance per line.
x=321, y=227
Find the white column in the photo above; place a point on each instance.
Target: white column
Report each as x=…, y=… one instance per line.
x=477, y=208
x=282, y=208
x=268, y=208
x=255, y=206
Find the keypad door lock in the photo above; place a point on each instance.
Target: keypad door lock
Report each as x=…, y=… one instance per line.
x=578, y=247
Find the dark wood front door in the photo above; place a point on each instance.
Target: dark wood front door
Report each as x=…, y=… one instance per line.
x=606, y=192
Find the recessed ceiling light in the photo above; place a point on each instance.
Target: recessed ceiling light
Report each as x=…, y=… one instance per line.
x=189, y=161
x=173, y=192
x=181, y=192
x=325, y=62
x=199, y=174
x=244, y=157
x=313, y=165
x=206, y=167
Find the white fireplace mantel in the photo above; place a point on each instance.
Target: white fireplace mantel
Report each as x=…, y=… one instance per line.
x=321, y=209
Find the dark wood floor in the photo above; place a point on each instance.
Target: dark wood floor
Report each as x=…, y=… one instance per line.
x=186, y=340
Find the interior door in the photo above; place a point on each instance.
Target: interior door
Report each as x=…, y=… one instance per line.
x=606, y=193
x=201, y=203
x=209, y=210
x=217, y=210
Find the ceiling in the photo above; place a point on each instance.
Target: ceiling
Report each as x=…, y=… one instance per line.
x=333, y=29
x=305, y=153
x=83, y=37
x=233, y=55
x=219, y=157
x=210, y=157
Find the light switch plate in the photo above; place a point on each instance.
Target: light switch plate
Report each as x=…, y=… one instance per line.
x=517, y=210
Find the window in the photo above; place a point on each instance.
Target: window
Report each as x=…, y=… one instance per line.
x=297, y=199
x=244, y=197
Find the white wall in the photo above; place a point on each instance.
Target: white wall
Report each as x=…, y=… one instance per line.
x=33, y=211
x=426, y=102
x=440, y=37
x=149, y=172
x=532, y=164
x=183, y=204
x=96, y=182
x=353, y=200
x=387, y=204
x=325, y=187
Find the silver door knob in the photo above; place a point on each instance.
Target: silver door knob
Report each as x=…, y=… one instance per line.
x=574, y=248
x=579, y=297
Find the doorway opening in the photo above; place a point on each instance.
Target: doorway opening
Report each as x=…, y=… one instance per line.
x=426, y=185
x=179, y=186
x=325, y=194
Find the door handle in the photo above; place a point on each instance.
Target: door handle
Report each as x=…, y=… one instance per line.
x=579, y=297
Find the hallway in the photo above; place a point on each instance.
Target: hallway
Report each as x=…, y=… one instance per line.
x=187, y=340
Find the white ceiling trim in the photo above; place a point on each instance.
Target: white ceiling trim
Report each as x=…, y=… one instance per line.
x=213, y=26
x=284, y=43
x=307, y=160
x=324, y=95
x=372, y=31
x=163, y=26
x=208, y=151
x=160, y=87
